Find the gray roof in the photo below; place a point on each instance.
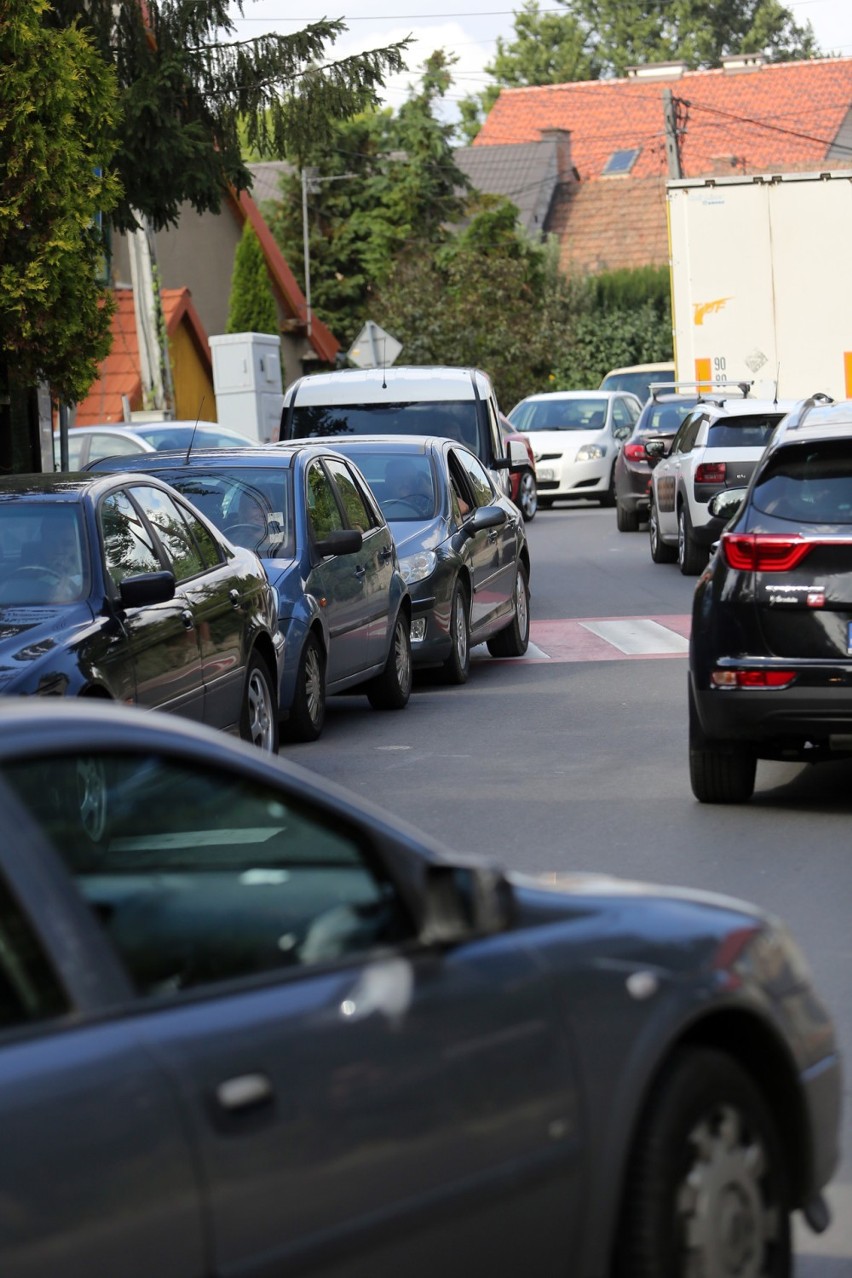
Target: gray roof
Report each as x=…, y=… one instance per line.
x=265, y=184
x=525, y=172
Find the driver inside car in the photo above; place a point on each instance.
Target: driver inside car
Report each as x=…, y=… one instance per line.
x=408, y=483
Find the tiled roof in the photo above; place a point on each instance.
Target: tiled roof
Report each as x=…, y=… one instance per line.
x=779, y=115
x=525, y=173
x=266, y=180
x=120, y=372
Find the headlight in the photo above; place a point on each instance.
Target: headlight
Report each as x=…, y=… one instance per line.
x=416, y=567
x=591, y=452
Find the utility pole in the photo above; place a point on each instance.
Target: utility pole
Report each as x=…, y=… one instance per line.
x=672, y=138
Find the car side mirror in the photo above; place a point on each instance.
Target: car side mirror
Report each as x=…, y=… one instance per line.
x=656, y=450
x=463, y=901
x=484, y=517
x=725, y=505
x=147, y=588
x=516, y=455
x=346, y=541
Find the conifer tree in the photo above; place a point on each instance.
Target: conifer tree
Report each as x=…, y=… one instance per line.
x=251, y=308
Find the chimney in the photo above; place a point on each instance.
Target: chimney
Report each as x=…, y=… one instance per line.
x=736, y=63
x=657, y=71
x=561, y=138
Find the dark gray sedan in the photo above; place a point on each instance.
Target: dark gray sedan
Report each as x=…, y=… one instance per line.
x=462, y=547
x=250, y=1025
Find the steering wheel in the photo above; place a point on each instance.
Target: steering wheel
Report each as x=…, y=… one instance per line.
x=35, y=570
x=235, y=531
x=407, y=503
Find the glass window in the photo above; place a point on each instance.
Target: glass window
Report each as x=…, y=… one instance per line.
x=128, y=548
x=252, y=506
x=556, y=413
x=807, y=484
x=172, y=530
x=198, y=875
x=323, y=514
x=29, y=990
x=211, y=552
x=751, y=431
x=43, y=553
x=480, y=483
x=684, y=440
x=358, y=514
x=624, y=413
x=101, y=446
x=403, y=484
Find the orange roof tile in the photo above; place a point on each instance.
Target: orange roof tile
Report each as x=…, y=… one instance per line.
x=780, y=115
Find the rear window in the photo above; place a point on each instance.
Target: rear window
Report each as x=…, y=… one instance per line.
x=754, y=431
x=252, y=506
x=807, y=484
x=560, y=414
x=663, y=418
x=449, y=419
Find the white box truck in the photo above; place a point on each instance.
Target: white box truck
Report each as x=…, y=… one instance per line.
x=761, y=270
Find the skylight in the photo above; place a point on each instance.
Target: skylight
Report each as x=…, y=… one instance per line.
x=621, y=162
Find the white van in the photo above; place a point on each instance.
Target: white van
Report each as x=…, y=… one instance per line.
x=457, y=403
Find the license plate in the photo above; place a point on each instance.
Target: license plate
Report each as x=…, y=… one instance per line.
x=545, y=473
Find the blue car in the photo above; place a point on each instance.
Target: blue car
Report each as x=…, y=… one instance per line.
x=344, y=609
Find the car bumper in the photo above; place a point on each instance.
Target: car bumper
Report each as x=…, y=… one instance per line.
x=815, y=709
x=561, y=478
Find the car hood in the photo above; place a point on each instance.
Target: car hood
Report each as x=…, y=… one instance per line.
x=565, y=441
x=411, y=537
x=32, y=634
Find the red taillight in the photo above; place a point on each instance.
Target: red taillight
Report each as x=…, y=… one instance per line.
x=635, y=452
x=710, y=473
x=752, y=678
x=763, y=552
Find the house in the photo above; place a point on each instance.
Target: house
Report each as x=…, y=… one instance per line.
x=527, y=173
x=608, y=205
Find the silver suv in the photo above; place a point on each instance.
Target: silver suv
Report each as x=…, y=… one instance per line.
x=717, y=446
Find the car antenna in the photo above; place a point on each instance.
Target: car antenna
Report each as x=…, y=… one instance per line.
x=194, y=429
x=777, y=380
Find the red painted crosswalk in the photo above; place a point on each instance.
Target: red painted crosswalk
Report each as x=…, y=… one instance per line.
x=609, y=638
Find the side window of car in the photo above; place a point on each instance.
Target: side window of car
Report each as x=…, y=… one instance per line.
x=172, y=530
x=29, y=990
x=199, y=875
x=480, y=483
x=358, y=513
x=101, y=446
x=128, y=548
x=323, y=514
x=684, y=440
x=497, y=443
x=208, y=547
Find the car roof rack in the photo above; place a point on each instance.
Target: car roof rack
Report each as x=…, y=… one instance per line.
x=798, y=416
x=714, y=394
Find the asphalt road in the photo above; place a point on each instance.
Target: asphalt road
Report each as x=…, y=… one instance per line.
x=575, y=758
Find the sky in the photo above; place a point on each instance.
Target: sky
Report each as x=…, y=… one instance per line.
x=468, y=28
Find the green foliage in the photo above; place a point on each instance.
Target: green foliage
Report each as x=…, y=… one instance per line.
x=598, y=38
x=57, y=115
x=601, y=340
x=251, y=306
x=187, y=88
x=628, y=289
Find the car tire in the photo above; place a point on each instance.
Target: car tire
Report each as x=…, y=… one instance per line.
x=456, y=668
x=707, y=1190
x=626, y=520
x=661, y=553
x=391, y=689
x=719, y=775
x=514, y=640
x=307, y=713
x=527, y=495
x=691, y=557
x=608, y=498
x=259, y=717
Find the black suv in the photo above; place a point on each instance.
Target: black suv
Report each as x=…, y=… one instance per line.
x=770, y=660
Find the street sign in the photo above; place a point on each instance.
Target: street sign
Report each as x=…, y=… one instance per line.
x=373, y=347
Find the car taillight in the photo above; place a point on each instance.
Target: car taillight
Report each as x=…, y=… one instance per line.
x=635, y=452
x=710, y=473
x=763, y=552
x=752, y=678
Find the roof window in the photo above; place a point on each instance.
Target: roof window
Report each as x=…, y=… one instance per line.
x=621, y=162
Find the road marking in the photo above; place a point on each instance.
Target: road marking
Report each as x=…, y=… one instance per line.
x=605, y=639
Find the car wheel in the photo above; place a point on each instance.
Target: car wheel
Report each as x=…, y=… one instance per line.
x=719, y=775
x=608, y=498
x=691, y=557
x=660, y=552
x=92, y=797
x=391, y=689
x=514, y=640
x=457, y=666
x=259, y=718
x=707, y=1190
x=307, y=713
x=527, y=495
x=627, y=520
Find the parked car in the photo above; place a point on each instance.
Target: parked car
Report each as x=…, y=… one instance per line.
x=258, y=1026
x=770, y=659
x=343, y=607
x=91, y=443
x=523, y=485
x=113, y=586
x=663, y=413
x=462, y=547
x=576, y=436
x=717, y=446
x=638, y=378
x=458, y=403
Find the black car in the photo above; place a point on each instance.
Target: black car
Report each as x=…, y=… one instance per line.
x=251, y=1025
x=660, y=418
x=462, y=547
x=771, y=650
x=343, y=609
x=113, y=586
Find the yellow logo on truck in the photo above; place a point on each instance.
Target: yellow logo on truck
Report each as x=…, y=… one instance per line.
x=700, y=309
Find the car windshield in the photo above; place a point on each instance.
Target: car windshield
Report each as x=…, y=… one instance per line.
x=753, y=431
x=404, y=486
x=560, y=414
x=449, y=419
x=807, y=483
x=638, y=384
x=252, y=506
x=663, y=418
x=43, y=555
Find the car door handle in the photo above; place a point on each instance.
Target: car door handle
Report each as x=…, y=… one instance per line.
x=244, y=1091
x=385, y=554
x=234, y=596
x=188, y=619
x=360, y=572
x=492, y=537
